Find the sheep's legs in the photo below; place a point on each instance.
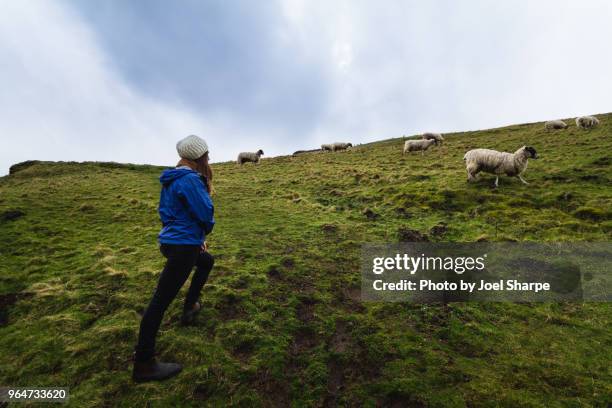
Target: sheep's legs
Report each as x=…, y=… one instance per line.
x=496, y=181
x=520, y=178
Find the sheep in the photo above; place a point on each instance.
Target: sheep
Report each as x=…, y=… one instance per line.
x=245, y=157
x=415, y=145
x=433, y=136
x=341, y=146
x=555, y=124
x=498, y=163
x=587, y=122
x=333, y=147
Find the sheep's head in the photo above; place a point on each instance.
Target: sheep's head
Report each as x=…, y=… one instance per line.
x=260, y=152
x=349, y=145
x=531, y=152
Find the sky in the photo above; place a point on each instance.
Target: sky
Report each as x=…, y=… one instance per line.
x=124, y=80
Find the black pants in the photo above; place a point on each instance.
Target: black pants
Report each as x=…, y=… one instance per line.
x=180, y=261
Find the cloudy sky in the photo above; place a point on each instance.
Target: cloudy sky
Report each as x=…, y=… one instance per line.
x=123, y=80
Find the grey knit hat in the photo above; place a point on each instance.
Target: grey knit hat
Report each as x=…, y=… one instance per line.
x=192, y=147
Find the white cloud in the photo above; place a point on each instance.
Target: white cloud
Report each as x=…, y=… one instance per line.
x=377, y=70
x=62, y=100
x=446, y=65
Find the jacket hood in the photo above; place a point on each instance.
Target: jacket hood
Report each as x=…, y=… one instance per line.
x=169, y=175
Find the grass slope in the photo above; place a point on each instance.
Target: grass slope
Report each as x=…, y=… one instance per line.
x=282, y=321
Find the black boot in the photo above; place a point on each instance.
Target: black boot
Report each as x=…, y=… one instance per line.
x=189, y=315
x=152, y=370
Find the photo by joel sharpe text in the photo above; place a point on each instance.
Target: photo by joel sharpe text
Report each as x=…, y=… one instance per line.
x=464, y=286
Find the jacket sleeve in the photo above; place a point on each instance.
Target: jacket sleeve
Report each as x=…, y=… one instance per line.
x=198, y=202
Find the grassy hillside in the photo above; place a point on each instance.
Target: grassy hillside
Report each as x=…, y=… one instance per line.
x=282, y=321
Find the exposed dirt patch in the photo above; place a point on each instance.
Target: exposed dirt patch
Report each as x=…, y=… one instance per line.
x=354, y=294
x=213, y=384
x=274, y=273
x=566, y=196
x=602, y=161
x=202, y=392
x=8, y=300
x=329, y=228
x=341, y=370
x=340, y=341
x=244, y=349
x=230, y=308
x=11, y=215
x=276, y=392
x=349, y=298
x=556, y=177
x=117, y=361
x=305, y=309
x=439, y=230
x=402, y=212
x=288, y=262
x=335, y=383
x=348, y=363
x=87, y=208
x=369, y=214
x=591, y=177
x=396, y=400
x=410, y=235
x=304, y=340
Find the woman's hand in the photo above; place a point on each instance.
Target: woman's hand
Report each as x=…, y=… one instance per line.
x=204, y=247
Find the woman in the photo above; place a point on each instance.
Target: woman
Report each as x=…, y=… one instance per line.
x=186, y=212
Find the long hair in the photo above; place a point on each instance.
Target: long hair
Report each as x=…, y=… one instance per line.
x=202, y=166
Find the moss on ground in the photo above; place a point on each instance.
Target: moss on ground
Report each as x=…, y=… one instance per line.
x=282, y=322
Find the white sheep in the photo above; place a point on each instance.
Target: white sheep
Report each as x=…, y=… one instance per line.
x=433, y=136
x=416, y=145
x=334, y=147
x=498, y=163
x=555, y=124
x=587, y=122
x=245, y=157
x=341, y=146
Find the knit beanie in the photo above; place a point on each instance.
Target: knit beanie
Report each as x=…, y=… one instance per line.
x=192, y=147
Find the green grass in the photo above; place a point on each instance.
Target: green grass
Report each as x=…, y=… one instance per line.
x=282, y=321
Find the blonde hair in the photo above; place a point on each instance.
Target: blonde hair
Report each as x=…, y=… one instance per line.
x=202, y=166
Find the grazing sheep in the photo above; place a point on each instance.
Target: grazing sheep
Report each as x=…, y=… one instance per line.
x=587, y=122
x=416, y=145
x=492, y=161
x=555, y=124
x=245, y=157
x=433, y=136
x=341, y=146
x=333, y=147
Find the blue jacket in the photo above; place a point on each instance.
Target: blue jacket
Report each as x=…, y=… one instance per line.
x=185, y=208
